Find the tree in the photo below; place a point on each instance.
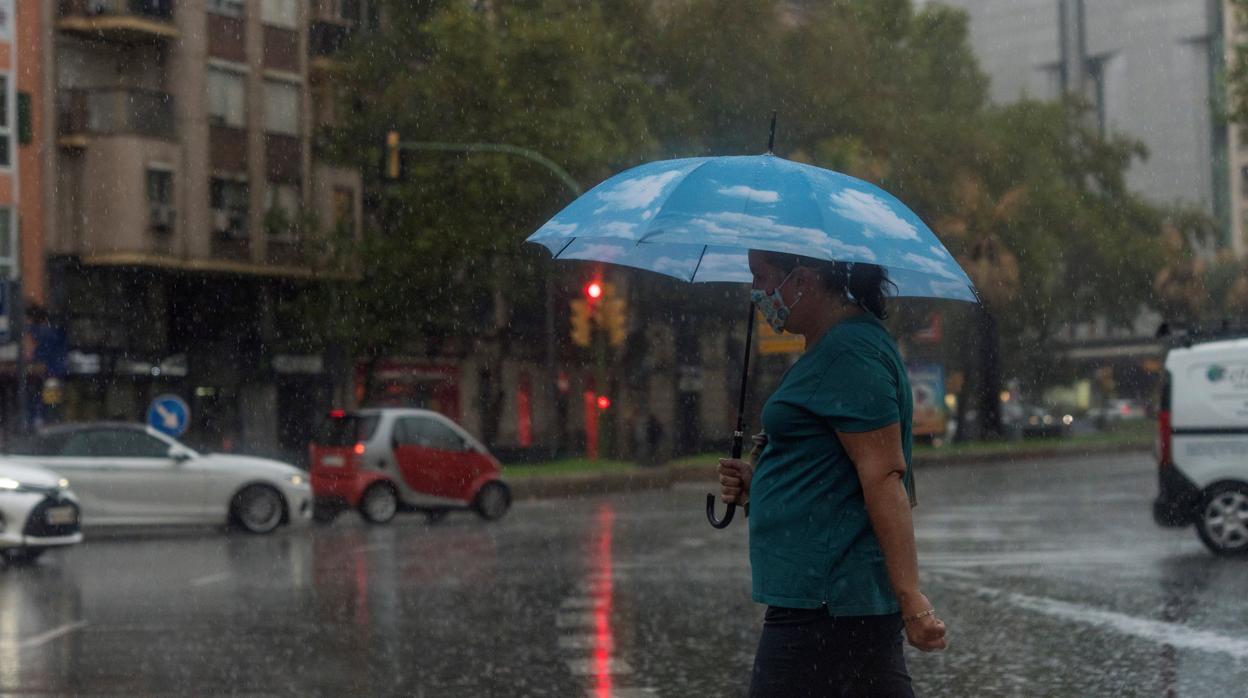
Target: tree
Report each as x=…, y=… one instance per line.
x=442, y=266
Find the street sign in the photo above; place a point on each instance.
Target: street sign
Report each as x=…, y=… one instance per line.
x=169, y=414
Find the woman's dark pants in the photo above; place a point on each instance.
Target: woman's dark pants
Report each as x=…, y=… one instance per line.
x=806, y=652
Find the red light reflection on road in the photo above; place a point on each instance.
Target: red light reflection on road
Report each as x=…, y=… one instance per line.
x=602, y=593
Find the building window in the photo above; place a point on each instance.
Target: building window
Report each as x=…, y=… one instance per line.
x=7, y=262
x=228, y=200
x=280, y=13
x=25, y=119
x=6, y=124
x=344, y=209
x=160, y=198
x=227, y=8
x=284, y=202
x=227, y=98
x=281, y=107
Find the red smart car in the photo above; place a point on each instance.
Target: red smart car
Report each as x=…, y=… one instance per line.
x=383, y=461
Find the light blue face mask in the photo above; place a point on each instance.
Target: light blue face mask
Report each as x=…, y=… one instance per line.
x=775, y=310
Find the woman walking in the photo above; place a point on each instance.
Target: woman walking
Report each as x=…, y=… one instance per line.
x=832, y=547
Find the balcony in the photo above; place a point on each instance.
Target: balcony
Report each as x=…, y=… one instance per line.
x=85, y=112
x=123, y=21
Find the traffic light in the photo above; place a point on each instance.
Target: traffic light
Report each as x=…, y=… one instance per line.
x=392, y=168
x=604, y=402
x=582, y=323
x=614, y=318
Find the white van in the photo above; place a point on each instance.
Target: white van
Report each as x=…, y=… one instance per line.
x=1202, y=454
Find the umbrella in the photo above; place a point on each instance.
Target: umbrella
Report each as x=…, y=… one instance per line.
x=696, y=219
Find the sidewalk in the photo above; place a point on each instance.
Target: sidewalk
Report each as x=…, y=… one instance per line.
x=702, y=469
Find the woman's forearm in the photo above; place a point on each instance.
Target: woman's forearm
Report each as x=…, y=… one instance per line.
x=888, y=507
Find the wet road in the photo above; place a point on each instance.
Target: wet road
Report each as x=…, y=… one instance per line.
x=1051, y=575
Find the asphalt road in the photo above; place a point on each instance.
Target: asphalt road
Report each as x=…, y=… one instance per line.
x=1051, y=575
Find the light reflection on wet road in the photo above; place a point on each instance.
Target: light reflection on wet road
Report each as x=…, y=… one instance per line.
x=1051, y=575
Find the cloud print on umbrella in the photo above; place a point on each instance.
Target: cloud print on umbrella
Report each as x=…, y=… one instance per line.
x=877, y=217
x=761, y=196
x=695, y=218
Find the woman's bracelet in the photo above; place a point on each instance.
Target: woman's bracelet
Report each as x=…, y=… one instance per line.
x=919, y=615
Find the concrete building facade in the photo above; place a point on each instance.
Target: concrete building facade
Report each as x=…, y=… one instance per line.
x=179, y=183
x=1150, y=69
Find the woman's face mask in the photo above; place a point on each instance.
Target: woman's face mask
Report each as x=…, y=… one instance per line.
x=771, y=304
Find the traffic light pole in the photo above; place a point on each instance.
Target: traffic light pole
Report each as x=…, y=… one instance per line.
x=394, y=145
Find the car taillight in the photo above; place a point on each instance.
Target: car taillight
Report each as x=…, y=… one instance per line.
x=1165, y=429
x=1165, y=440
x=359, y=449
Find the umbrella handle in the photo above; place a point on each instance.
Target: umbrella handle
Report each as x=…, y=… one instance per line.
x=710, y=513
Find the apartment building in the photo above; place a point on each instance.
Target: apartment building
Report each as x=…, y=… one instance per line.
x=185, y=203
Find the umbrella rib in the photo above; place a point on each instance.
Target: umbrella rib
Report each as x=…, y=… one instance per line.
x=699, y=264
x=810, y=182
x=564, y=248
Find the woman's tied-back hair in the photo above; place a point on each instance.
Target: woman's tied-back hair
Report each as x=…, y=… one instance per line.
x=865, y=285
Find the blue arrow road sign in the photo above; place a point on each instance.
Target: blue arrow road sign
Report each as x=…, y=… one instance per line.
x=169, y=414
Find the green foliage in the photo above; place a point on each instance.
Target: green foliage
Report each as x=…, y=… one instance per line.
x=869, y=87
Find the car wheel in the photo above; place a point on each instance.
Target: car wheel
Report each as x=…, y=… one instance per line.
x=492, y=500
x=1223, y=520
x=258, y=509
x=23, y=556
x=380, y=503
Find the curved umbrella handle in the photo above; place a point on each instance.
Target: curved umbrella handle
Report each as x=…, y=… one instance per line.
x=710, y=513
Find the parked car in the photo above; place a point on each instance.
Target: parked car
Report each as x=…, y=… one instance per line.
x=37, y=512
x=131, y=474
x=386, y=460
x=1202, y=438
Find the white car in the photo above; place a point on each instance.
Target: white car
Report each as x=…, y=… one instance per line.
x=37, y=512
x=1203, y=437
x=132, y=475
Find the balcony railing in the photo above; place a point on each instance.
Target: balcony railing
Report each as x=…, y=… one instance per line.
x=126, y=21
x=159, y=10
x=115, y=111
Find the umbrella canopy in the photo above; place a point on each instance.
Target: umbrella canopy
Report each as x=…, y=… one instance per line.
x=697, y=218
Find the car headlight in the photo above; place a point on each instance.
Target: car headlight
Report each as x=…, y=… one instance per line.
x=8, y=483
x=296, y=480
x=63, y=483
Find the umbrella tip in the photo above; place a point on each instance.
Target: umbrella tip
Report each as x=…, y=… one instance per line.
x=771, y=139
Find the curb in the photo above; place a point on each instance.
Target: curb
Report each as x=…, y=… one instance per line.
x=662, y=477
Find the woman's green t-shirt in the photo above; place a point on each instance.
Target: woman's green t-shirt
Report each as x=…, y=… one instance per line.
x=811, y=543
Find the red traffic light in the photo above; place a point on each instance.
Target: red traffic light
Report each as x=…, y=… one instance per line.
x=594, y=290
x=603, y=402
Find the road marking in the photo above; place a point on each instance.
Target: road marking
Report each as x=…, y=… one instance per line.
x=1161, y=632
x=595, y=667
x=586, y=642
x=575, y=620
x=210, y=579
x=45, y=638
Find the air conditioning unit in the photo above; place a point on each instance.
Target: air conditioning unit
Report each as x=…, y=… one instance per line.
x=163, y=217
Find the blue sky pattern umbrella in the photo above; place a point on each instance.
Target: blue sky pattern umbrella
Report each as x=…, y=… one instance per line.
x=696, y=218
